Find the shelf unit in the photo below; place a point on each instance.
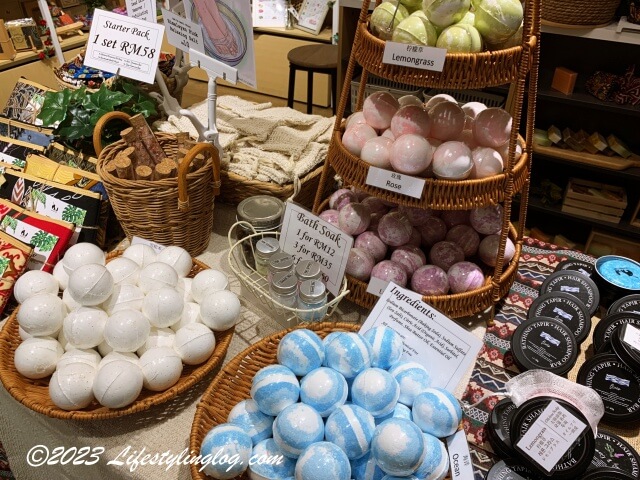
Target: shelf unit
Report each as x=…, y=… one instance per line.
x=517, y=66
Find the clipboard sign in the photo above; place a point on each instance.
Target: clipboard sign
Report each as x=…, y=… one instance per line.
x=311, y=16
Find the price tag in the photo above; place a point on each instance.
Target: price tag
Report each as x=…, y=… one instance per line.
x=142, y=9
x=395, y=182
x=551, y=435
x=308, y=237
x=415, y=56
x=376, y=286
x=632, y=336
x=118, y=43
x=182, y=33
x=459, y=456
x=143, y=241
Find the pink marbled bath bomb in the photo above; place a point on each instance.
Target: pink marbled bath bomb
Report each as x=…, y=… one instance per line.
x=465, y=237
x=444, y=254
x=394, y=229
x=410, y=100
x=411, y=119
x=377, y=152
x=488, y=250
x=504, y=152
x=417, y=216
x=464, y=277
x=356, y=136
x=455, y=217
x=359, y=264
x=340, y=198
x=360, y=194
x=411, y=154
x=430, y=280
x=487, y=220
x=468, y=139
x=452, y=161
x=354, y=119
x=487, y=162
x=330, y=216
x=379, y=108
x=432, y=232
x=492, y=127
x=388, y=134
x=375, y=220
x=354, y=218
x=390, y=271
x=370, y=242
x=447, y=121
x=472, y=109
x=375, y=205
x=439, y=98
x=410, y=257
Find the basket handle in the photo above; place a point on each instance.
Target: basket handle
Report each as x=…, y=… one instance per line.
x=106, y=118
x=183, y=169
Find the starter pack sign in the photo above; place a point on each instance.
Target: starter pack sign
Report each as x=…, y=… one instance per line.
x=124, y=45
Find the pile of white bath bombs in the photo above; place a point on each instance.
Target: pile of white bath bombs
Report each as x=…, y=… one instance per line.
x=121, y=326
x=431, y=252
x=438, y=138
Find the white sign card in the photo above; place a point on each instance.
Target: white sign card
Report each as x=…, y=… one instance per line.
x=269, y=13
x=430, y=338
x=415, y=56
x=142, y=9
x=395, y=182
x=118, y=43
x=377, y=286
x=632, y=336
x=551, y=435
x=308, y=237
x=182, y=33
x=459, y=457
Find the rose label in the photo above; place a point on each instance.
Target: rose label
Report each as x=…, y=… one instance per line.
x=415, y=56
x=395, y=182
x=182, y=33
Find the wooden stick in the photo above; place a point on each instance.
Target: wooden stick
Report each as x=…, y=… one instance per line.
x=165, y=169
x=180, y=154
x=111, y=169
x=181, y=138
x=148, y=138
x=124, y=167
x=198, y=162
x=143, y=172
x=140, y=154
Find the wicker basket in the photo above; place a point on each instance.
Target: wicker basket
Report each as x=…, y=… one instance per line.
x=583, y=13
x=233, y=384
x=173, y=211
x=34, y=394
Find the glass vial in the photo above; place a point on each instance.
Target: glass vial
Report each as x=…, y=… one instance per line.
x=284, y=290
x=312, y=300
x=264, y=213
x=265, y=249
x=308, y=270
x=279, y=262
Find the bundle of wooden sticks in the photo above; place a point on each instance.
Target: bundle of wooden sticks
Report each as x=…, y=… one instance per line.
x=144, y=159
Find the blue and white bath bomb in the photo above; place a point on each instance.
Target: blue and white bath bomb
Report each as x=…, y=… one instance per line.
x=273, y=388
x=398, y=447
x=399, y=411
x=351, y=428
x=269, y=463
x=393, y=477
x=231, y=448
x=366, y=468
x=301, y=351
x=248, y=416
x=324, y=389
x=297, y=427
x=386, y=346
x=437, y=412
x=435, y=465
x=349, y=353
x=375, y=390
x=321, y=461
x=412, y=377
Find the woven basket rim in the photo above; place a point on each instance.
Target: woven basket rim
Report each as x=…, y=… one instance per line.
x=8, y=377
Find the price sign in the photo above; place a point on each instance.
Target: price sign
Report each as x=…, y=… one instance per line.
x=395, y=182
x=308, y=237
x=118, y=43
x=182, y=33
x=142, y=9
x=415, y=56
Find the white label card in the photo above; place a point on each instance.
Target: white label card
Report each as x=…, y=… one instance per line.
x=416, y=56
x=632, y=336
x=142, y=9
x=308, y=237
x=376, y=286
x=143, y=241
x=395, y=182
x=118, y=43
x=551, y=435
x=182, y=33
x=430, y=338
x=459, y=457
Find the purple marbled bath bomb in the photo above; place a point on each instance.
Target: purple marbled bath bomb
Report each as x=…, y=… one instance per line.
x=375, y=205
x=464, y=277
x=432, y=232
x=455, y=217
x=430, y=280
x=417, y=216
x=370, y=242
x=416, y=238
x=487, y=220
x=375, y=220
x=394, y=229
x=410, y=257
x=444, y=254
x=354, y=218
x=465, y=237
x=359, y=264
x=340, y=198
x=390, y=271
x=488, y=250
x=330, y=216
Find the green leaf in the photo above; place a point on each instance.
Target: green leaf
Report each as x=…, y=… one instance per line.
x=146, y=108
x=80, y=125
x=54, y=108
x=77, y=96
x=105, y=99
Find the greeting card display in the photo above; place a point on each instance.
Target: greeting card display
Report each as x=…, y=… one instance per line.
x=269, y=13
x=311, y=15
x=25, y=101
x=26, y=132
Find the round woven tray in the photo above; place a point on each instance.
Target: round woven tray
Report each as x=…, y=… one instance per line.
x=582, y=13
x=233, y=384
x=34, y=394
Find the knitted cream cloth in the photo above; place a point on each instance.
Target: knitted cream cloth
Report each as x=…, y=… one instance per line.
x=262, y=142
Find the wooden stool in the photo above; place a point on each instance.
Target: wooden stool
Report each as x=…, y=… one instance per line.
x=321, y=58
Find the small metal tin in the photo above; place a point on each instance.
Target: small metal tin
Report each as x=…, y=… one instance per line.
x=510, y=470
x=580, y=266
x=576, y=284
x=566, y=308
x=614, y=452
x=280, y=262
x=263, y=212
x=312, y=292
x=616, y=277
x=284, y=283
x=308, y=270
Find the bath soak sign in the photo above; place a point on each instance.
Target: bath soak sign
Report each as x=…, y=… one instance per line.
x=307, y=237
x=124, y=45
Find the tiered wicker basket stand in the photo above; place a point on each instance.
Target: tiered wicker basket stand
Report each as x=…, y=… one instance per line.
x=517, y=66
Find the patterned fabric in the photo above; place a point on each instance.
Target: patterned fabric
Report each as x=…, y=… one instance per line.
x=25, y=132
x=13, y=261
x=25, y=101
x=15, y=152
x=494, y=365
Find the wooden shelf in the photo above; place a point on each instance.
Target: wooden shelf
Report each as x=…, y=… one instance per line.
x=30, y=56
x=323, y=37
x=601, y=161
x=607, y=33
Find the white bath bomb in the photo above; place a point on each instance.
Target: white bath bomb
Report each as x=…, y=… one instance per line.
x=388, y=134
x=190, y=314
x=161, y=368
x=452, y=161
x=163, y=307
x=142, y=254
x=178, y=258
x=209, y=279
x=69, y=302
x=23, y=334
x=447, y=121
x=34, y=282
x=411, y=154
x=184, y=287
x=158, y=337
x=379, y=108
x=123, y=270
x=90, y=284
x=126, y=330
x=61, y=275
x=488, y=250
x=492, y=127
x=62, y=339
x=157, y=275
x=41, y=315
x=124, y=296
x=71, y=387
x=118, y=384
x=220, y=310
x=376, y=151
x=356, y=136
x=194, y=343
x=88, y=356
x=104, y=349
x=37, y=357
x=82, y=253
x=472, y=109
x=113, y=356
x=486, y=162
x=84, y=327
